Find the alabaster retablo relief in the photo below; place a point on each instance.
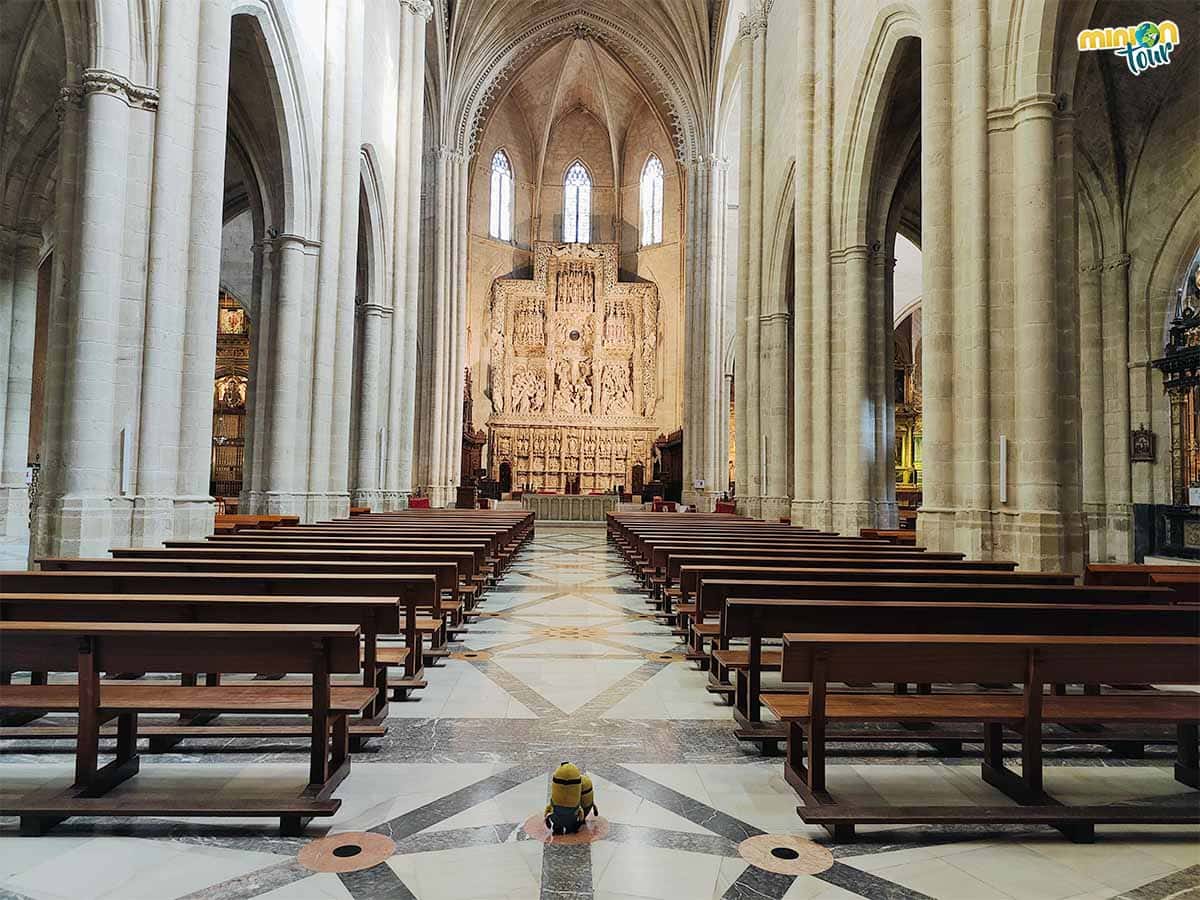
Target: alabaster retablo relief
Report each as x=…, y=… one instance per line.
x=573, y=370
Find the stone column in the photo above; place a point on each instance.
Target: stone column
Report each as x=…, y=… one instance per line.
x=855, y=508
x=167, y=280
x=754, y=33
x=283, y=485
x=18, y=318
x=802, y=319
x=883, y=402
x=256, y=420
x=336, y=501
x=1118, y=475
x=367, y=490
x=704, y=302
x=193, y=506
x=402, y=370
x=935, y=523
x=821, y=432
x=774, y=328
x=422, y=10
x=333, y=146
x=1092, y=402
x=1035, y=460
x=74, y=515
x=742, y=322
x=971, y=325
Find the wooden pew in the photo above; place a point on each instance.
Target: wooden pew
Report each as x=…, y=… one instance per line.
x=687, y=571
x=374, y=616
x=89, y=648
x=754, y=620
x=412, y=590
x=725, y=579
x=715, y=595
x=1032, y=660
x=463, y=588
x=1131, y=574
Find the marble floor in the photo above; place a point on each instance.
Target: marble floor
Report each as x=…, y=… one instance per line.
x=565, y=663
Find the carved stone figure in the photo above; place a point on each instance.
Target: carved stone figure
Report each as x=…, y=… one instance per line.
x=528, y=392
x=616, y=392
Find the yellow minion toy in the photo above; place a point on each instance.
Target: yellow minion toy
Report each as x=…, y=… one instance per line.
x=587, y=799
x=564, y=815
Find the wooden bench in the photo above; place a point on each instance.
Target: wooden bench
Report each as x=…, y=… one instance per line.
x=462, y=587
x=89, y=648
x=1130, y=574
x=1033, y=661
x=856, y=570
x=754, y=620
x=413, y=591
x=374, y=616
x=714, y=592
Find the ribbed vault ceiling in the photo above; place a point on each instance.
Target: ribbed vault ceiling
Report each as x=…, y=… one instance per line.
x=609, y=53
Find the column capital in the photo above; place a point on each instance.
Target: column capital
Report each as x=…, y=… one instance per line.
x=373, y=309
x=20, y=238
x=753, y=25
x=421, y=8
x=102, y=81
x=706, y=162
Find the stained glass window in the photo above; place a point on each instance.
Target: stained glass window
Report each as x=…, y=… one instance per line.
x=502, y=197
x=577, y=204
x=652, y=201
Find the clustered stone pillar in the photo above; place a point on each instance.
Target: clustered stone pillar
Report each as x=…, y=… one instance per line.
x=749, y=374
x=705, y=405
x=397, y=441
x=443, y=322
x=83, y=460
x=19, y=252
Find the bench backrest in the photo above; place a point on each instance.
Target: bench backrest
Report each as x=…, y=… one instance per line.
x=464, y=561
x=445, y=573
x=378, y=615
x=984, y=658
x=714, y=592
x=420, y=589
x=180, y=647
x=862, y=570
x=772, y=618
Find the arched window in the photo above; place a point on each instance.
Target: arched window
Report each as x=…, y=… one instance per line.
x=652, y=202
x=502, y=197
x=577, y=204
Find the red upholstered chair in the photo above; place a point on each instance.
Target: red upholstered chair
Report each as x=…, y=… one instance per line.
x=723, y=507
x=418, y=503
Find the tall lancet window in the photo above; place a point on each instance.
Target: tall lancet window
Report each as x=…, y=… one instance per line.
x=502, y=197
x=652, y=202
x=577, y=205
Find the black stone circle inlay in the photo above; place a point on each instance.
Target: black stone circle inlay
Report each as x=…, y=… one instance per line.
x=470, y=655
x=783, y=853
x=347, y=850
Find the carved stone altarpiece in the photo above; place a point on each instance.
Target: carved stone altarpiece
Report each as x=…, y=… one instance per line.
x=573, y=376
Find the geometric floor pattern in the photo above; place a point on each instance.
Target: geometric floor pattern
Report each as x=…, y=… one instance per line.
x=566, y=663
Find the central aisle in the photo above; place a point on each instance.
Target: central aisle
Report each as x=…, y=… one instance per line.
x=566, y=663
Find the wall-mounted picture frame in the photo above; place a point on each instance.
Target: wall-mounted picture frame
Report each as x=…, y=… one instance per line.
x=1141, y=445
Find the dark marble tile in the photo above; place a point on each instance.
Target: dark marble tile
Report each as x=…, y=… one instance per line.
x=252, y=884
x=757, y=884
x=710, y=844
x=1184, y=885
x=376, y=883
x=479, y=836
x=867, y=885
x=566, y=872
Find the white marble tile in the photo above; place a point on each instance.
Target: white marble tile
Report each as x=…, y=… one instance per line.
x=324, y=886
x=511, y=870
x=514, y=805
x=937, y=878
x=1110, y=862
x=569, y=684
x=653, y=871
x=675, y=692
x=1022, y=873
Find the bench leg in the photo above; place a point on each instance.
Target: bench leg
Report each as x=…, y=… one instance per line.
x=293, y=826
x=1187, y=761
